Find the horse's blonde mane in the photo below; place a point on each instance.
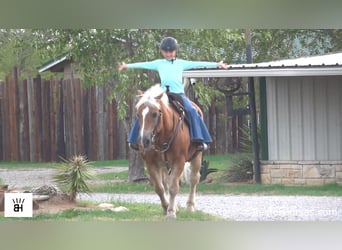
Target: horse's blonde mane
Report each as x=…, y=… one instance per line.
x=150, y=95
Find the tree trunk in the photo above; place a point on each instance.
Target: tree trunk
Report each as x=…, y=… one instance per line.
x=136, y=167
x=222, y=135
x=121, y=142
x=212, y=128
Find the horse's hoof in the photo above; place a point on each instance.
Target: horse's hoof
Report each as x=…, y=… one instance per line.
x=171, y=216
x=191, y=209
x=190, y=206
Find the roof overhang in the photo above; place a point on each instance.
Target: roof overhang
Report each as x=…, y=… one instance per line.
x=321, y=65
x=55, y=65
x=264, y=72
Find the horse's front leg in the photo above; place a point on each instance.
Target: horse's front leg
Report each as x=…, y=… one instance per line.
x=174, y=189
x=157, y=176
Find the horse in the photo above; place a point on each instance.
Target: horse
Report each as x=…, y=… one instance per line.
x=164, y=144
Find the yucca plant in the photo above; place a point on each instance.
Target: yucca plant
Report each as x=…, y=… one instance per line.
x=205, y=170
x=73, y=174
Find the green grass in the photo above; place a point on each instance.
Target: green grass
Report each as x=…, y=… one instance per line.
x=111, y=163
x=23, y=164
x=222, y=162
x=136, y=212
x=113, y=176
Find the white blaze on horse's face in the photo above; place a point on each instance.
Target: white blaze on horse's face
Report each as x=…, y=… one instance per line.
x=143, y=113
x=148, y=125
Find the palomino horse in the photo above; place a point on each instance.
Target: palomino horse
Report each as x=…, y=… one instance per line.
x=164, y=143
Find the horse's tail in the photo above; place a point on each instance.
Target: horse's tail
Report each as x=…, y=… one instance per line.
x=185, y=176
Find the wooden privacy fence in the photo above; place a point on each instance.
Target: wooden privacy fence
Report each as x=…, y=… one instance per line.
x=43, y=120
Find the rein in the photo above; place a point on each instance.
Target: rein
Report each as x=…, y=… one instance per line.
x=166, y=145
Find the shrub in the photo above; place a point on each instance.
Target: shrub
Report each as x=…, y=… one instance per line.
x=240, y=171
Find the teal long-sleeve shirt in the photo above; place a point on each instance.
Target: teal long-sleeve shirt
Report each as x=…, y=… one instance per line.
x=171, y=72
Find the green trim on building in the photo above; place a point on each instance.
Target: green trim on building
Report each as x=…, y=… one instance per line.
x=263, y=119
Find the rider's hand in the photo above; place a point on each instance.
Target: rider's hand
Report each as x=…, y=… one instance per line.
x=122, y=66
x=223, y=65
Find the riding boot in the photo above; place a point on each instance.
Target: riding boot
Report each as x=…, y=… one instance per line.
x=201, y=146
x=134, y=146
x=134, y=135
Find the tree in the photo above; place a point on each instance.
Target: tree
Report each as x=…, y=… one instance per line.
x=290, y=43
x=16, y=50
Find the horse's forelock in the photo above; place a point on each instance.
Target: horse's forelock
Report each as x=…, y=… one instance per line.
x=150, y=97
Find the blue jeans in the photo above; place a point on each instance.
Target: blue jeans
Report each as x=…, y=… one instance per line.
x=198, y=129
x=134, y=134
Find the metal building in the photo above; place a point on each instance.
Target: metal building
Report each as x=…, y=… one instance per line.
x=301, y=117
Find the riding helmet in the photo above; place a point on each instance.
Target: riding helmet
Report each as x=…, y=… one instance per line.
x=169, y=44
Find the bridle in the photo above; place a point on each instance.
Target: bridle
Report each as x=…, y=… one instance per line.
x=165, y=146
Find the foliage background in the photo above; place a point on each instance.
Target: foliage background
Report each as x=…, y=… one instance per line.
x=100, y=51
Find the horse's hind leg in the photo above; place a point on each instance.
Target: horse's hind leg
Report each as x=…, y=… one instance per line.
x=194, y=179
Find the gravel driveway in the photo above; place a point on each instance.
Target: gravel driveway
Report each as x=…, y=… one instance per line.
x=231, y=207
x=248, y=207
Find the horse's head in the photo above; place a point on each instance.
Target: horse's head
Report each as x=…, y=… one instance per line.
x=149, y=111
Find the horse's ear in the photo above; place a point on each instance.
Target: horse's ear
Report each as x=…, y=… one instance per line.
x=139, y=93
x=159, y=96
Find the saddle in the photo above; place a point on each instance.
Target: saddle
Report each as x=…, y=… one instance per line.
x=177, y=103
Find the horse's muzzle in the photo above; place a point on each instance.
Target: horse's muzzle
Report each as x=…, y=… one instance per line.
x=146, y=142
